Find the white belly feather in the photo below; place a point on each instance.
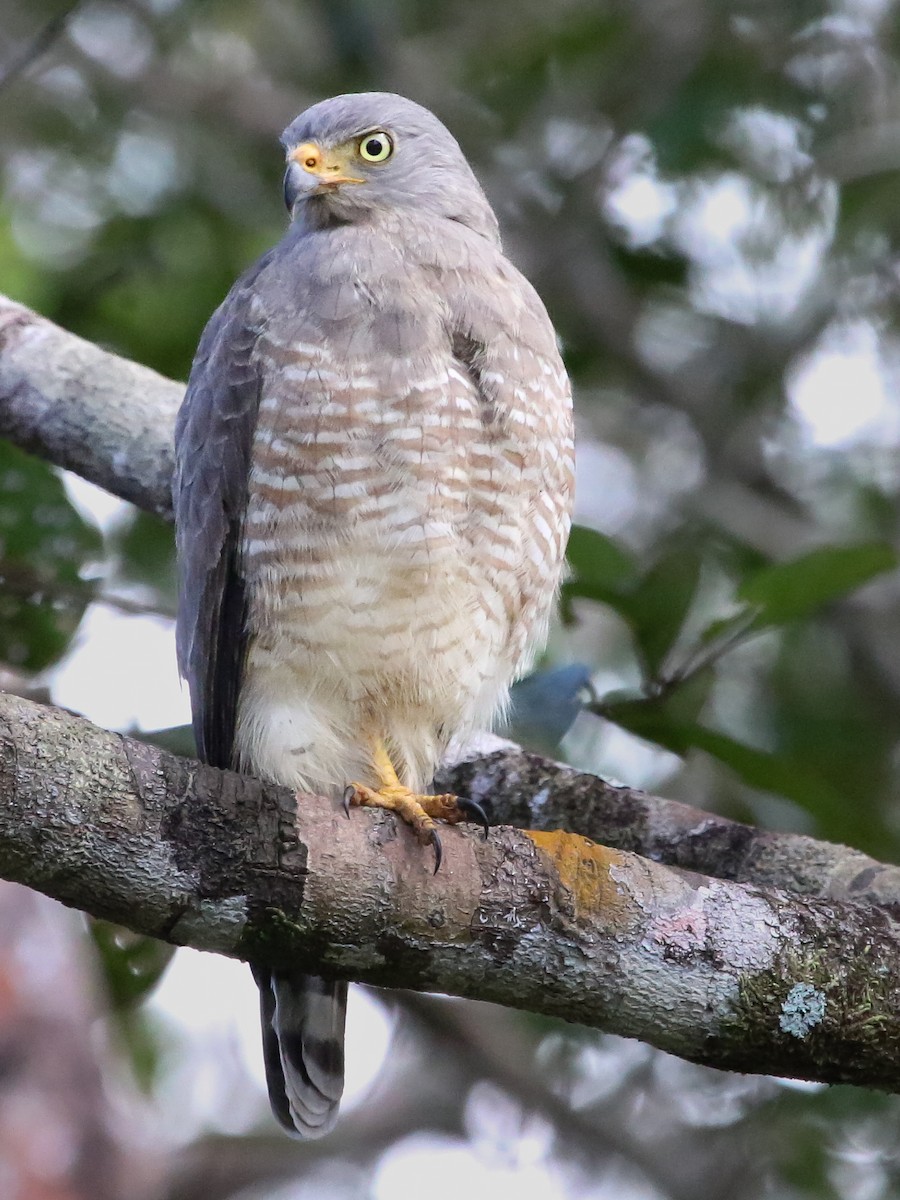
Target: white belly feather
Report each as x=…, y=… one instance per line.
x=401, y=565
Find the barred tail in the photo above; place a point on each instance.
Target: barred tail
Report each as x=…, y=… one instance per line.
x=303, y=1046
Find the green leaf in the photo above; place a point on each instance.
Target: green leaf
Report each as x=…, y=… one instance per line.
x=146, y=554
x=599, y=564
x=785, y=591
x=45, y=547
x=724, y=628
x=660, y=718
x=778, y=773
x=654, y=606
x=177, y=739
x=132, y=964
x=601, y=570
x=657, y=607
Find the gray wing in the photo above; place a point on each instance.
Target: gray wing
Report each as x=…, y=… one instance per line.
x=302, y=1016
x=213, y=444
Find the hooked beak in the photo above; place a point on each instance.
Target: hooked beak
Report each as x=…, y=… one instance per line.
x=312, y=171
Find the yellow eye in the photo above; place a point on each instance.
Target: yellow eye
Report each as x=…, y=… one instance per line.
x=376, y=147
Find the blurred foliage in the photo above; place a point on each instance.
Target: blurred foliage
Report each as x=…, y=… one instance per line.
x=47, y=555
x=131, y=966
x=704, y=193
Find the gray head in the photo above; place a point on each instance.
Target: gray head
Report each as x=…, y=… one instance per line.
x=358, y=156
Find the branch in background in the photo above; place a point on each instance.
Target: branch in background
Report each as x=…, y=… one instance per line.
x=531, y=792
x=82, y=408
x=596, y=1133
x=714, y=971
x=480, y=1039
x=43, y=41
x=405, y=1098
x=56, y=1081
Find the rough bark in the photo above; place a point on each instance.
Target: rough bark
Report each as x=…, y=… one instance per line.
x=82, y=408
x=797, y=978
x=718, y=972
x=517, y=788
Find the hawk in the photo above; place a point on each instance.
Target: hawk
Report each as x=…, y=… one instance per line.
x=374, y=465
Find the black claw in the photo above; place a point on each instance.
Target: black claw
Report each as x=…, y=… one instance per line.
x=348, y=796
x=438, y=850
x=476, y=812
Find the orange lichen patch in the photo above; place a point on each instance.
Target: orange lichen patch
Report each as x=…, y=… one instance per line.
x=583, y=867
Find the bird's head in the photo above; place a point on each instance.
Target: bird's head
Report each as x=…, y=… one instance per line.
x=363, y=154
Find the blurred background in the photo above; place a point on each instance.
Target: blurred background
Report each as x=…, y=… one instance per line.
x=706, y=195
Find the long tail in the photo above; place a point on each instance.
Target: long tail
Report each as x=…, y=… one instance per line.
x=303, y=1046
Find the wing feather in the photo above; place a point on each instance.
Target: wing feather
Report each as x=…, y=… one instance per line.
x=213, y=445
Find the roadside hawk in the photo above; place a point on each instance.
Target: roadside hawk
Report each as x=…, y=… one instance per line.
x=372, y=495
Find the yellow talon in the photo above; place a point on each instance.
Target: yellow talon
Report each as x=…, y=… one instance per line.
x=416, y=809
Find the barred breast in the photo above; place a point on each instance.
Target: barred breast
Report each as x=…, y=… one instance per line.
x=405, y=528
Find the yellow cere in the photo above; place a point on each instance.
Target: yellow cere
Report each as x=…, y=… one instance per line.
x=308, y=155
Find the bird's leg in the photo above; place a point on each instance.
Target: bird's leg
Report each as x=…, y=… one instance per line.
x=416, y=809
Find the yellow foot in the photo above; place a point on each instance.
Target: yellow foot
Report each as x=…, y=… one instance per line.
x=419, y=811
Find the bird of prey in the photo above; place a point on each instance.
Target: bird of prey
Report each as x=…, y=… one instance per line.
x=374, y=466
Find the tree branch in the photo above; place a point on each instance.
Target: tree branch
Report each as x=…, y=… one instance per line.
x=717, y=972
x=709, y=968
x=31, y=51
x=82, y=408
x=531, y=792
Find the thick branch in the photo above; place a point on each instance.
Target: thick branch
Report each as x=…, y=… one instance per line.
x=709, y=969
x=714, y=971
x=532, y=792
x=106, y=418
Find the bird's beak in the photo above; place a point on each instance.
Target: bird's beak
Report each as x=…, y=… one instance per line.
x=311, y=171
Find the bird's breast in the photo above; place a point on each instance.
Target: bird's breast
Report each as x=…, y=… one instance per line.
x=405, y=522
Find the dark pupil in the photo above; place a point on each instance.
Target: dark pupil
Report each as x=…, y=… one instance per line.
x=374, y=147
